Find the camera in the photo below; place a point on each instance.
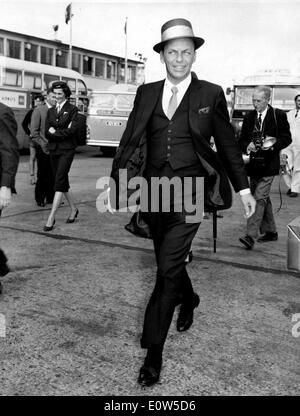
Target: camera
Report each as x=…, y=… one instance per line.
x=258, y=139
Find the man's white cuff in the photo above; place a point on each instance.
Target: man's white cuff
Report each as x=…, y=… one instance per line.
x=245, y=191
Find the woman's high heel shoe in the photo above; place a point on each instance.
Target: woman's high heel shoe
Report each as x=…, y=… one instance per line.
x=46, y=228
x=71, y=220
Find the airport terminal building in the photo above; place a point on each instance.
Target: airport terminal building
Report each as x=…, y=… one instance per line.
x=100, y=70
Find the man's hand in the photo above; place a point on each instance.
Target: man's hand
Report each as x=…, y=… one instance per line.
x=251, y=148
x=249, y=204
x=5, y=196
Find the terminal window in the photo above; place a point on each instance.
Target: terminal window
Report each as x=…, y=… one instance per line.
x=46, y=55
x=88, y=65
x=76, y=58
x=100, y=65
x=31, y=53
x=13, y=48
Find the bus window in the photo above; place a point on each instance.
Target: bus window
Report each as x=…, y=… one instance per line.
x=284, y=97
x=71, y=83
x=101, y=103
x=48, y=79
x=83, y=105
x=32, y=81
x=124, y=102
x=243, y=97
x=82, y=90
x=12, y=77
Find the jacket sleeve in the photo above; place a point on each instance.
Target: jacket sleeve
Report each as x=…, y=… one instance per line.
x=129, y=128
x=284, y=134
x=35, y=124
x=26, y=122
x=9, y=148
x=227, y=146
x=245, y=138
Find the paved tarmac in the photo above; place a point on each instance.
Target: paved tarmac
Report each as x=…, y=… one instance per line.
x=73, y=304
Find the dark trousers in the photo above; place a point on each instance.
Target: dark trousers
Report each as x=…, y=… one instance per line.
x=172, y=238
x=263, y=219
x=44, y=188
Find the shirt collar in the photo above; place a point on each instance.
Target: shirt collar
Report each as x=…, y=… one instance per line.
x=183, y=85
x=263, y=113
x=61, y=105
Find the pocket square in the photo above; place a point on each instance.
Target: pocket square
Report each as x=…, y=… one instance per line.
x=204, y=110
x=65, y=112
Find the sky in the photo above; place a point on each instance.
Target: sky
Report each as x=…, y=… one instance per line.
x=241, y=36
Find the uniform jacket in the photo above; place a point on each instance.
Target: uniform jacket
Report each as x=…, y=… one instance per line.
x=275, y=125
x=37, y=125
x=208, y=116
x=66, y=125
x=9, y=148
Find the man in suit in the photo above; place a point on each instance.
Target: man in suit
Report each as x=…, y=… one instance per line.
x=44, y=191
x=265, y=132
x=177, y=117
x=292, y=152
x=9, y=160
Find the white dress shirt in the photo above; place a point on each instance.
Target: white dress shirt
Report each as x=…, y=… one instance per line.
x=60, y=106
x=167, y=92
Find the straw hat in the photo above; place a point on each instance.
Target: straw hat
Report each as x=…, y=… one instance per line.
x=175, y=29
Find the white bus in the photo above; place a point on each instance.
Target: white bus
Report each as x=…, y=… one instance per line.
x=21, y=80
x=107, y=116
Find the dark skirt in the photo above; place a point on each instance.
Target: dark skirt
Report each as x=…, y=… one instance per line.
x=61, y=163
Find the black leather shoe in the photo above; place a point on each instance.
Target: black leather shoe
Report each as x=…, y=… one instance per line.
x=149, y=375
x=268, y=237
x=186, y=314
x=293, y=194
x=247, y=241
x=41, y=204
x=71, y=220
x=289, y=192
x=46, y=228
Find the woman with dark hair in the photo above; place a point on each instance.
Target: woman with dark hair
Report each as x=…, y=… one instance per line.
x=61, y=131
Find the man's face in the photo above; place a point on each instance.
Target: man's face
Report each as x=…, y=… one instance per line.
x=297, y=103
x=38, y=102
x=178, y=56
x=259, y=101
x=51, y=99
x=59, y=95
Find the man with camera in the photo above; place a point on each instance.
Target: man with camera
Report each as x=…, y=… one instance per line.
x=265, y=132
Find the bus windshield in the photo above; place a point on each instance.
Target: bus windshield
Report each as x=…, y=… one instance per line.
x=111, y=103
x=243, y=97
x=283, y=97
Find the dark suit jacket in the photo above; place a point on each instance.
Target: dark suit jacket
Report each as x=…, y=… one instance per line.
x=278, y=128
x=208, y=116
x=65, y=124
x=9, y=148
